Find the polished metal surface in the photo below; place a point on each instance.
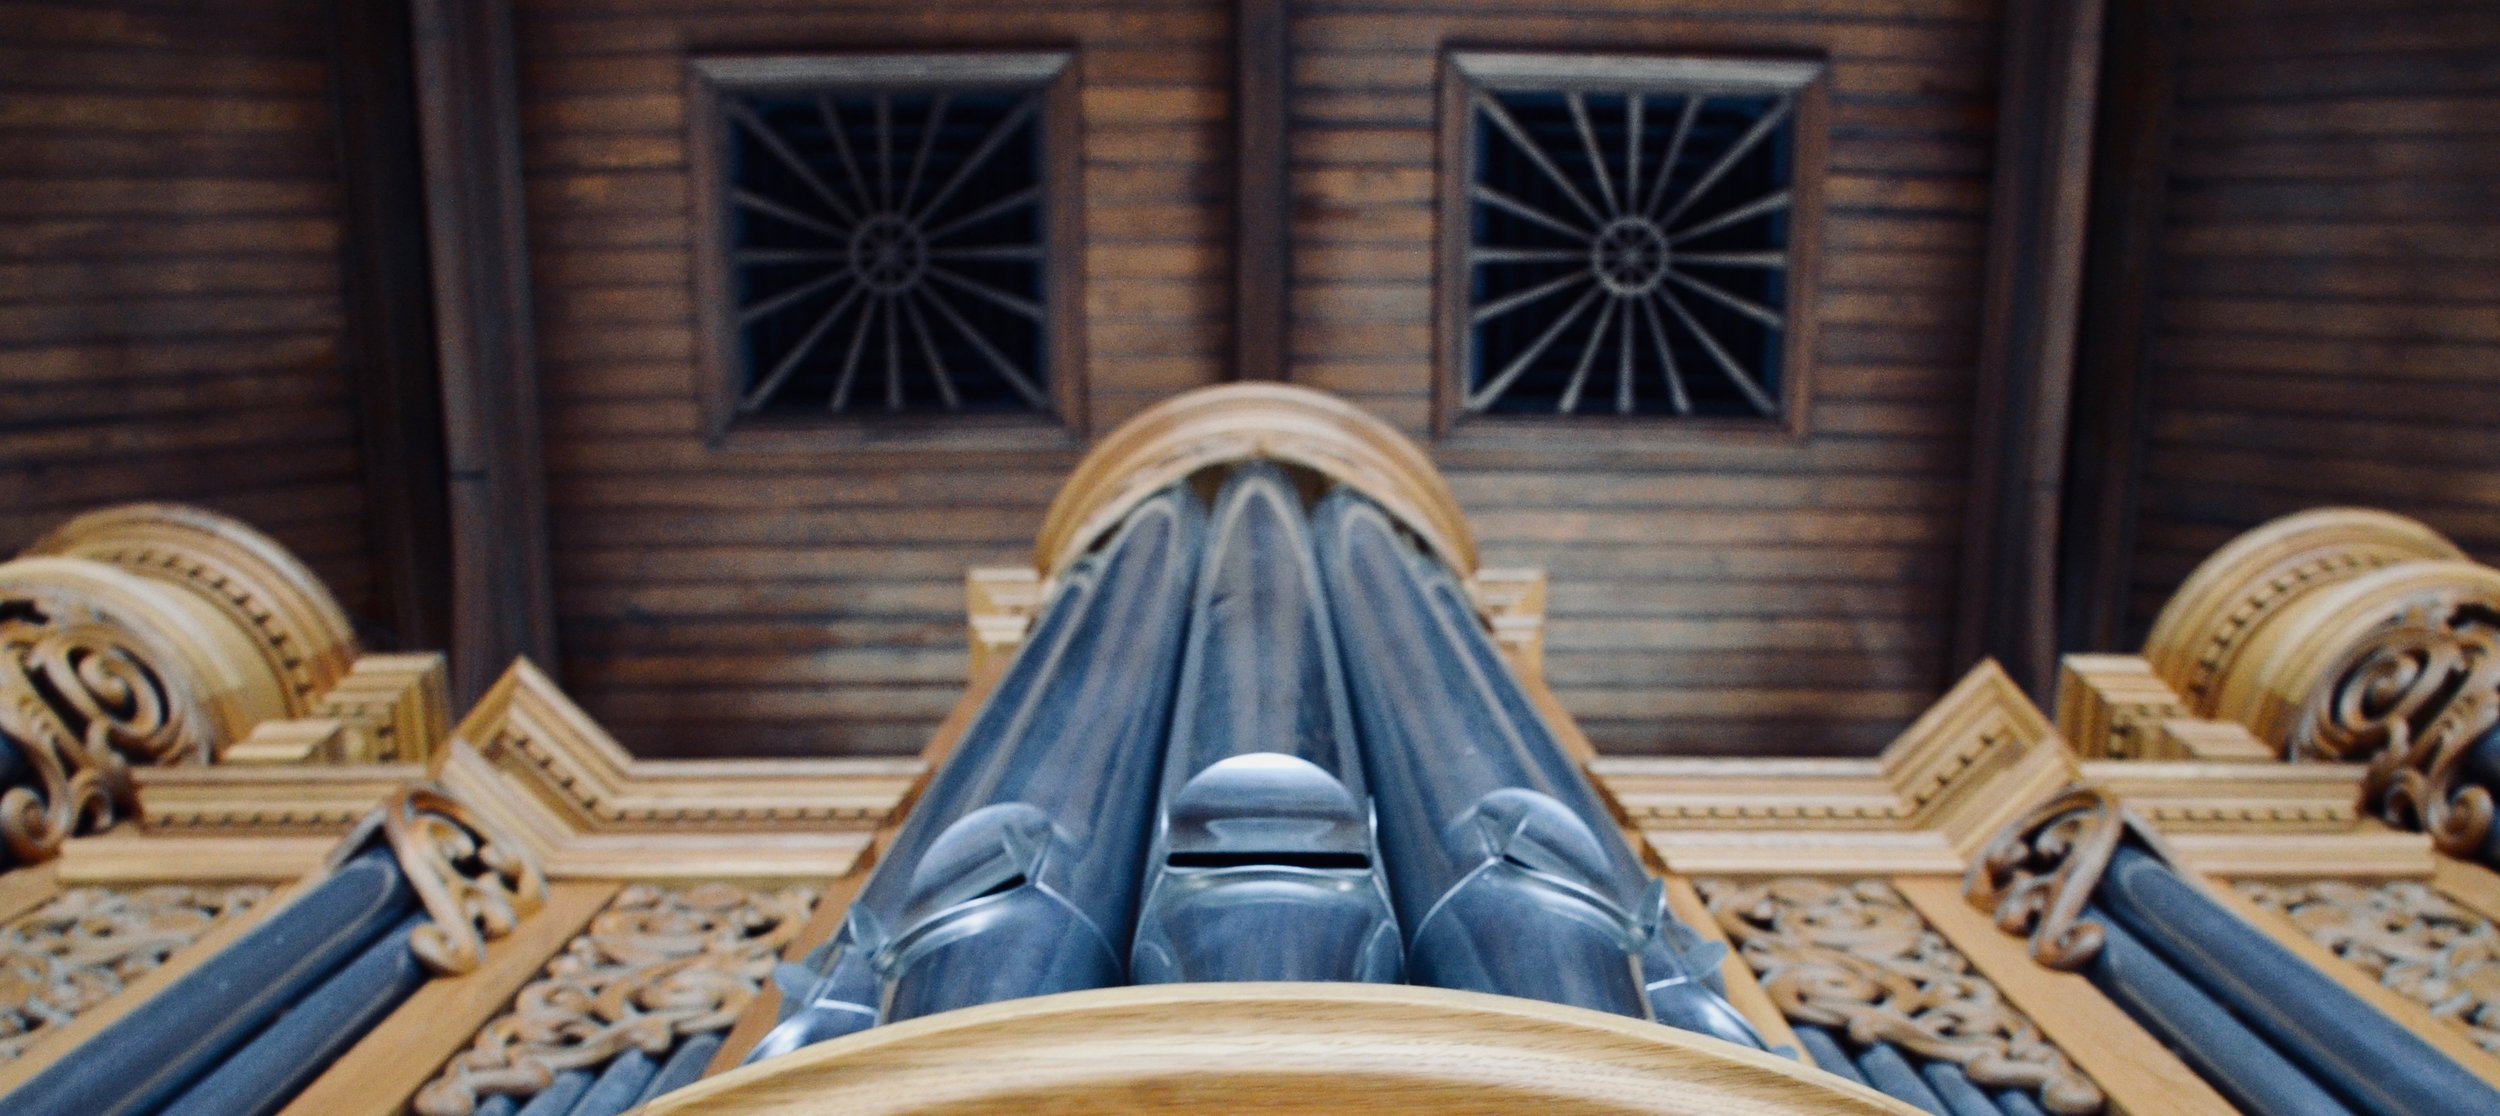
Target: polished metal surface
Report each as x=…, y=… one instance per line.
x=1018, y=872
x=1507, y=872
x=1264, y=864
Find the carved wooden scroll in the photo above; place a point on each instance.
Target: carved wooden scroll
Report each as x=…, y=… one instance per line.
x=657, y=965
x=1856, y=957
x=2038, y=874
x=89, y=943
x=2411, y=938
x=158, y=635
x=86, y=689
x=476, y=885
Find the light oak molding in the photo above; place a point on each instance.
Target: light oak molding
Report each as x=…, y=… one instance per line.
x=1276, y=1048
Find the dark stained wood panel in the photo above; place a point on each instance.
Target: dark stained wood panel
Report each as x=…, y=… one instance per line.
x=1711, y=594
x=2326, y=303
x=170, y=306
x=771, y=600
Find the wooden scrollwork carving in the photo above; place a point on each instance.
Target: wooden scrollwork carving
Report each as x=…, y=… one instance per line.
x=2401, y=667
x=89, y=943
x=1857, y=957
x=656, y=965
x=86, y=690
x=2038, y=874
x=475, y=884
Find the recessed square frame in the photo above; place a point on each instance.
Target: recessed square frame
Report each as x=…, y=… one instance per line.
x=1803, y=77
x=711, y=80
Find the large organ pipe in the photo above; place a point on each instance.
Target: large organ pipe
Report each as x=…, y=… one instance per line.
x=1264, y=865
x=1507, y=874
x=1018, y=873
x=2340, y=1040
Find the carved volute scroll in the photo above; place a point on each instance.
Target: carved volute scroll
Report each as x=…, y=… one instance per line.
x=1856, y=957
x=2400, y=667
x=2037, y=875
x=2409, y=937
x=98, y=671
x=657, y=965
x=1241, y=422
x=89, y=943
x=2232, y=605
x=476, y=885
x=293, y=626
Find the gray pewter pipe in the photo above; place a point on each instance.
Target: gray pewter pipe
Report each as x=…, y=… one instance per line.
x=1018, y=872
x=1508, y=873
x=1264, y=864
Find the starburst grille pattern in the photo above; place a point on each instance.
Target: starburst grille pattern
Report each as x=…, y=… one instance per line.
x=887, y=251
x=1628, y=250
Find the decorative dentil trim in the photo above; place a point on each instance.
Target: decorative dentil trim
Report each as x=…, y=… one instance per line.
x=2232, y=606
x=1960, y=770
x=88, y=943
x=2407, y=936
x=1856, y=956
x=295, y=625
x=657, y=965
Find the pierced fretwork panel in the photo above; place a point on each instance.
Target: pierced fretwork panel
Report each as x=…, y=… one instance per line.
x=2411, y=938
x=1629, y=233
x=86, y=945
x=1855, y=961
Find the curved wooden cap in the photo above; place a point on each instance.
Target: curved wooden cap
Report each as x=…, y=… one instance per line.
x=2229, y=605
x=1276, y=1048
x=1241, y=422
x=2289, y=686
x=293, y=624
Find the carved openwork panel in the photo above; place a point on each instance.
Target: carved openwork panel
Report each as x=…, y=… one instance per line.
x=657, y=965
x=87, y=945
x=1857, y=958
x=2407, y=935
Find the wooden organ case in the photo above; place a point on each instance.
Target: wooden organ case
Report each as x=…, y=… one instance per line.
x=1255, y=800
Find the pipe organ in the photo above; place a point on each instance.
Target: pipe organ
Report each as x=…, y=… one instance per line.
x=1256, y=797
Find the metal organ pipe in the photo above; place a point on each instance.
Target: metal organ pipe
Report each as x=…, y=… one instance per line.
x=1507, y=874
x=1264, y=864
x=1018, y=872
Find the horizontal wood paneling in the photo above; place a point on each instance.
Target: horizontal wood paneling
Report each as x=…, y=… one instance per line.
x=770, y=601
x=1710, y=594
x=2327, y=306
x=170, y=312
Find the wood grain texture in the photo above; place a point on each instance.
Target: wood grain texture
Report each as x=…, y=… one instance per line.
x=834, y=578
x=1280, y=1048
x=170, y=229
x=1690, y=570
x=2323, y=325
